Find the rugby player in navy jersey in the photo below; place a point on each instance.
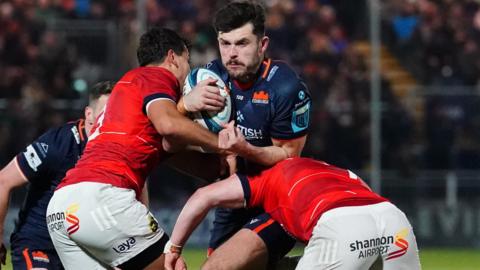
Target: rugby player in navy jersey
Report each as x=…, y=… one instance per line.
x=272, y=106
x=43, y=164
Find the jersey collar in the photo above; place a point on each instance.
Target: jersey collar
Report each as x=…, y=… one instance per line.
x=81, y=130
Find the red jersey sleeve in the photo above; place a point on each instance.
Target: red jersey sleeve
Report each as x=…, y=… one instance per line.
x=158, y=84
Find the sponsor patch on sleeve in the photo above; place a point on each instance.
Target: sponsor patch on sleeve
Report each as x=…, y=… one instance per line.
x=32, y=158
x=300, y=118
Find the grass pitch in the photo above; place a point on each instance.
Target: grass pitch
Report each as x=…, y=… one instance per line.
x=431, y=259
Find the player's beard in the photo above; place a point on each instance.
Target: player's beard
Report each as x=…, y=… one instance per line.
x=246, y=75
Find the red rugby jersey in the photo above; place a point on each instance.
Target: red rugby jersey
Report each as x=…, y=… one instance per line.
x=297, y=191
x=124, y=145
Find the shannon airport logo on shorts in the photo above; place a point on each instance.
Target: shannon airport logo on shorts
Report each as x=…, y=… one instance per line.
x=401, y=243
x=72, y=219
x=382, y=246
x=56, y=220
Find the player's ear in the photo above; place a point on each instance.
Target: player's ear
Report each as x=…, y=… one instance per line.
x=89, y=114
x=264, y=41
x=172, y=58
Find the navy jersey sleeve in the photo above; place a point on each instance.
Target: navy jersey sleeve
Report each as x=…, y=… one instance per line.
x=39, y=159
x=291, y=106
x=217, y=67
x=245, y=186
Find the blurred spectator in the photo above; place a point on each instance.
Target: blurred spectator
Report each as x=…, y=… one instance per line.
x=405, y=23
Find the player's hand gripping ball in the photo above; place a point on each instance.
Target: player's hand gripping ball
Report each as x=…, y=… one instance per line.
x=210, y=120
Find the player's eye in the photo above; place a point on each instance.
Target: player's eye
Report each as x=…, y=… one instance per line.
x=242, y=43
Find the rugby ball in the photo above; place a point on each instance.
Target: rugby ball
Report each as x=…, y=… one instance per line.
x=210, y=120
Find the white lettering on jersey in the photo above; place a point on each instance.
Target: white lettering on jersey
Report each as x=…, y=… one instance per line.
x=76, y=134
x=239, y=97
x=251, y=133
x=272, y=72
x=32, y=158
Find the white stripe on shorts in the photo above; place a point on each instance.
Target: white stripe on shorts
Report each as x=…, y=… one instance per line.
x=103, y=218
x=328, y=251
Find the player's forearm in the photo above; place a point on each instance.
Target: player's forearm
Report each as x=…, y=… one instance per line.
x=177, y=128
x=183, y=131
x=225, y=193
x=4, y=197
x=267, y=156
x=187, y=132
x=191, y=215
x=10, y=178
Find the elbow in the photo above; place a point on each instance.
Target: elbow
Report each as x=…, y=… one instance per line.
x=5, y=188
x=170, y=147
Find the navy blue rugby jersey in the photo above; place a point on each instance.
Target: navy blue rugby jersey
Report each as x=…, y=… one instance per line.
x=44, y=163
x=276, y=105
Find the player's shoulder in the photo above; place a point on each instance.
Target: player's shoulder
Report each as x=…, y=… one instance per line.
x=279, y=68
x=284, y=79
x=65, y=133
x=52, y=148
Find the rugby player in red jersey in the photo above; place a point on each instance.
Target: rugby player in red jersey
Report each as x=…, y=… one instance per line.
x=343, y=222
x=95, y=216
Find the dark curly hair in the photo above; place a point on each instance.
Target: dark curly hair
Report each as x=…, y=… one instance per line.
x=237, y=14
x=99, y=89
x=155, y=43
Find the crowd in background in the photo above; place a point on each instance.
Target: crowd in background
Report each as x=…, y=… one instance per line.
x=436, y=40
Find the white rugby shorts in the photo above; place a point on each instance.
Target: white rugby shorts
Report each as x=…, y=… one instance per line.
x=354, y=237
x=98, y=226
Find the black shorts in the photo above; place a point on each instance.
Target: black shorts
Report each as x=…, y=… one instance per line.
x=229, y=221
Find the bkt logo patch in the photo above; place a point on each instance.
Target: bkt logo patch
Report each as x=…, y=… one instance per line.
x=125, y=247
x=152, y=222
